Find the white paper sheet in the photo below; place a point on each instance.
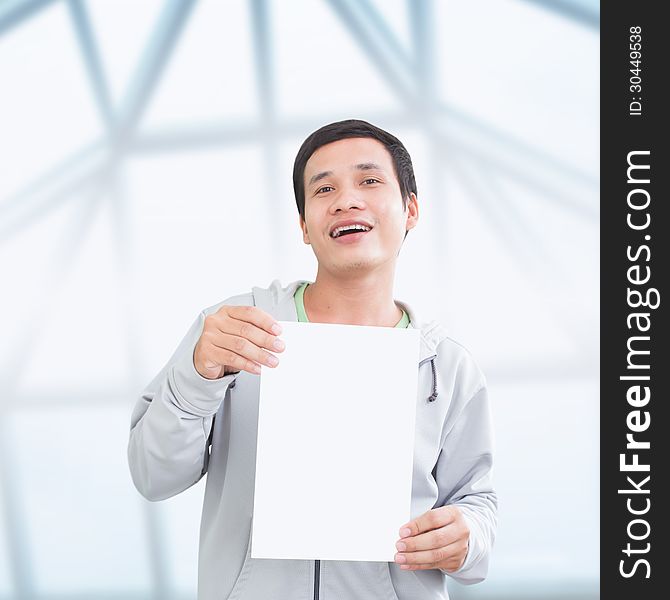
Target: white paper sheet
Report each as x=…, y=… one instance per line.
x=335, y=443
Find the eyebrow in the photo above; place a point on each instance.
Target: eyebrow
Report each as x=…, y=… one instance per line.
x=368, y=166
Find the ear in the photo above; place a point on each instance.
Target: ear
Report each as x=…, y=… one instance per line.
x=412, y=211
x=303, y=227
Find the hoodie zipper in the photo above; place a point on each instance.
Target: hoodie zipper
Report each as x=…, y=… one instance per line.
x=317, y=578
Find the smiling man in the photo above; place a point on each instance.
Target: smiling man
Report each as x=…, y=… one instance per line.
x=355, y=216
x=357, y=200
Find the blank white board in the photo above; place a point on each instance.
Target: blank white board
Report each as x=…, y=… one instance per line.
x=335, y=443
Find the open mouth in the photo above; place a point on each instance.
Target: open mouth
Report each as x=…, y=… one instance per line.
x=346, y=230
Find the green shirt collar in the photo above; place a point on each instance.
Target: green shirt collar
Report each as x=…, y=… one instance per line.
x=302, y=315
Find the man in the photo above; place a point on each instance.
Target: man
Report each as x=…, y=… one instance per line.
x=357, y=199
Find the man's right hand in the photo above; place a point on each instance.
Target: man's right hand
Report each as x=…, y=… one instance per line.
x=234, y=339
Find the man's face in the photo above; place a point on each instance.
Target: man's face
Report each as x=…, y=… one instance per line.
x=353, y=181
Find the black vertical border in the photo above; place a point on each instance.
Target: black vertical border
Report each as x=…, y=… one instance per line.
x=622, y=133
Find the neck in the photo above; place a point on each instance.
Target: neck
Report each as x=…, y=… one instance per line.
x=361, y=299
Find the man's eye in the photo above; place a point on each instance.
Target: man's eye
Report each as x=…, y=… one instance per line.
x=373, y=180
x=323, y=188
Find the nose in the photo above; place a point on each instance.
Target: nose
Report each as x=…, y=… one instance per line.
x=346, y=200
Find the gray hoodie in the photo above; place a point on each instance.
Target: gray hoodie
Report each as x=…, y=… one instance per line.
x=185, y=426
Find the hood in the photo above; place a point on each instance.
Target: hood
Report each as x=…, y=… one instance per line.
x=278, y=301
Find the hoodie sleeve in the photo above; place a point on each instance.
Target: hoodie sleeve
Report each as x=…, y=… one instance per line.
x=464, y=477
x=170, y=425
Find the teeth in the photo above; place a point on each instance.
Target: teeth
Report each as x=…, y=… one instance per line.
x=338, y=230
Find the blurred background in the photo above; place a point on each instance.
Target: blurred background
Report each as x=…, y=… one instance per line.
x=146, y=151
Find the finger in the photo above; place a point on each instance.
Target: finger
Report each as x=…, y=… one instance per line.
x=234, y=361
x=217, y=325
x=434, y=556
x=437, y=538
x=244, y=348
x=256, y=316
x=450, y=567
x=417, y=567
x=250, y=331
x=432, y=519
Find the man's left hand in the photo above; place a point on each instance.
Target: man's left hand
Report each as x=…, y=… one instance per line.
x=438, y=539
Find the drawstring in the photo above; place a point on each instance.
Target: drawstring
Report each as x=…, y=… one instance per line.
x=432, y=397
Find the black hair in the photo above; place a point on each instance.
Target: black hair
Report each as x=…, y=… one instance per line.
x=353, y=128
